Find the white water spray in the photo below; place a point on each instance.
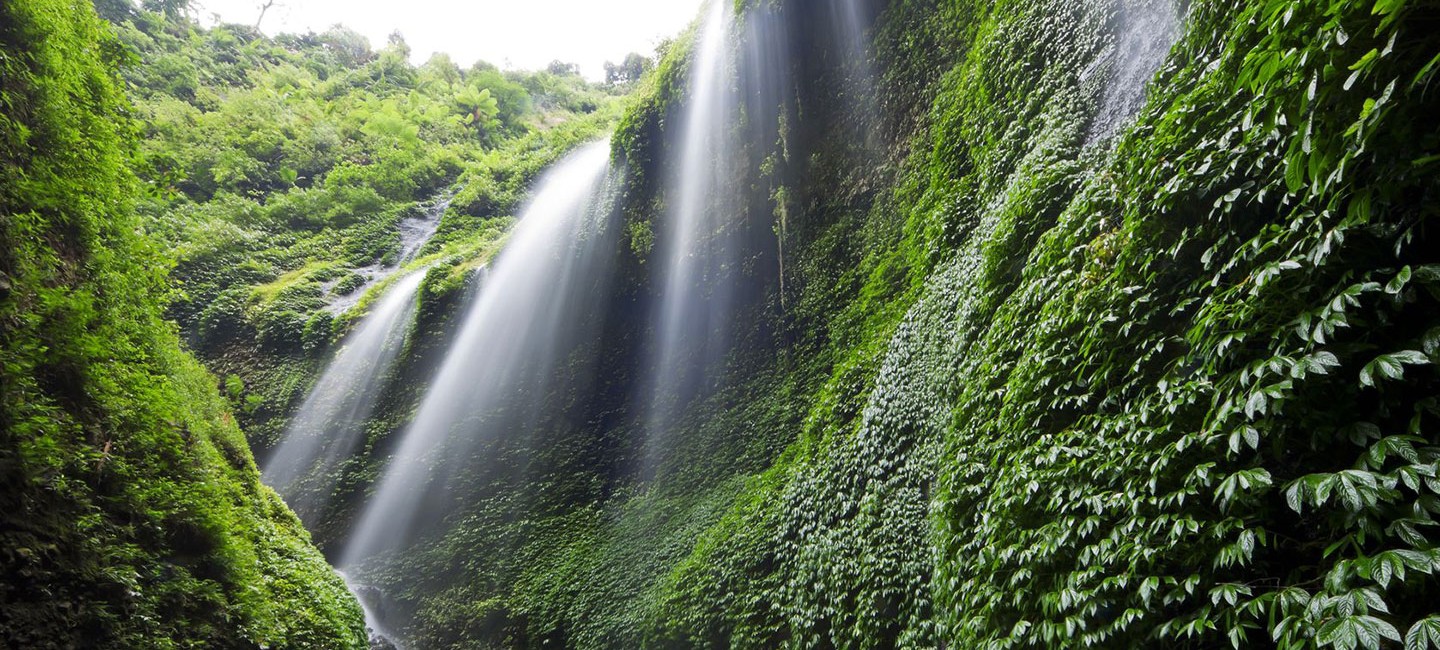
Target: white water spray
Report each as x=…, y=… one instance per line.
x=694, y=302
x=328, y=427
x=1147, y=30
x=509, y=336
x=369, y=598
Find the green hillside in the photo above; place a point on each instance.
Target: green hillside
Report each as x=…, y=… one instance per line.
x=894, y=323
x=133, y=513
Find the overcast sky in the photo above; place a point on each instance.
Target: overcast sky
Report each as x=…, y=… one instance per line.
x=525, y=34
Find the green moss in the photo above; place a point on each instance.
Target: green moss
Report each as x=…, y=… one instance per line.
x=1040, y=392
x=134, y=516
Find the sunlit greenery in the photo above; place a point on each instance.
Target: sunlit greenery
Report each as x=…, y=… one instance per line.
x=133, y=515
x=991, y=381
x=275, y=166
x=265, y=156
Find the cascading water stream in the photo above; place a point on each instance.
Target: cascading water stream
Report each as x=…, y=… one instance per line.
x=702, y=280
x=508, y=340
x=693, y=307
x=329, y=425
x=515, y=334
x=381, y=638
x=851, y=20
x=1147, y=29
x=414, y=233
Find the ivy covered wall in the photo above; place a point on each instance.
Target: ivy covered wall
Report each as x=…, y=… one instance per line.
x=131, y=512
x=1027, y=387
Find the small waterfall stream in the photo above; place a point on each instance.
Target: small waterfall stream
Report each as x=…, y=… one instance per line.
x=1147, y=29
x=694, y=297
x=415, y=231
x=329, y=425
x=381, y=637
x=851, y=22
x=509, y=337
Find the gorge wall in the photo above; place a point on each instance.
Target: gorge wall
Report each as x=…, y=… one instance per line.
x=131, y=514
x=1046, y=323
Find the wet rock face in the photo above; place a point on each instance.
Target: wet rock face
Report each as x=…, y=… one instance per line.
x=374, y=602
x=1145, y=30
x=371, y=596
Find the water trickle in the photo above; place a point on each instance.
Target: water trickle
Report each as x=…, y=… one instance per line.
x=414, y=233
x=850, y=22
x=694, y=304
x=1147, y=29
x=372, y=603
x=510, y=336
x=329, y=425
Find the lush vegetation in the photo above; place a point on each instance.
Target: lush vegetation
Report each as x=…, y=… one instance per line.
x=133, y=515
x=1176, y=393
x=278, y=170
x=994, y=380
x=1018, y=388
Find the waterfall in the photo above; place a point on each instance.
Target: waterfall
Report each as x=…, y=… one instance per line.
x=329, y=425
x=694, y=304
x=850, y=23
x=414, y=233
x=371, y=601
x=510, y=338
x=1147, y=29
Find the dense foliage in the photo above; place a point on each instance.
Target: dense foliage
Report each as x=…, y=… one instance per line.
x=1017, y=385
x=278, y=170
x=133, y=515
x=997, y=375
x=1175, y=393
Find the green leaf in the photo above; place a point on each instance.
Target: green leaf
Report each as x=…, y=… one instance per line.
x=1382, y=572
x=1411, y=357
x=1417, y=638
x=1256, y=404
x=1383, y=7
x=1423, y=634
x=1397, y=284
x=1384, y=628
x=1295, y=497
x=1391, y=366
x=1318, y=363
x=1295, y=165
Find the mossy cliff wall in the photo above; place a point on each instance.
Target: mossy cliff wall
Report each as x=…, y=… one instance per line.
x=1026, y=387
x=133, y=515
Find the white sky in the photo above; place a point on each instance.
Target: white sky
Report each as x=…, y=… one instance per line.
x=524, y=34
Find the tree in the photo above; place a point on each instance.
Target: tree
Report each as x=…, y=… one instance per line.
x=477, y=107
x=171, y=8
x=631, y=69
x=562, y=69
x=386, y=123
x=511, y=98
x=264, y=8
x=440, y=68
x=350, y=47
x=396, y=40
x=115, y=11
